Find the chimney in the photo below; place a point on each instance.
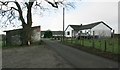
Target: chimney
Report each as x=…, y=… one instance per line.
x=80, y=24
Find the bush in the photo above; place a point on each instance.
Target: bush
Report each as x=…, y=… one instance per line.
x=48, y=34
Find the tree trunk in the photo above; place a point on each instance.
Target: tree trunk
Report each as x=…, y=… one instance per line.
x=26, y=31
x=26, y=36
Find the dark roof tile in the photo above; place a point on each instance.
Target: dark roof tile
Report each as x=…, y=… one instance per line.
x=88, y=26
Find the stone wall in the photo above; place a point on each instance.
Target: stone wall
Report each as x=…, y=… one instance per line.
x=36, y=35
x=13, y=36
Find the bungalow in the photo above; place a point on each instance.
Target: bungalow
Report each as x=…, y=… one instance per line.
x=13, y=36
x=99, y=29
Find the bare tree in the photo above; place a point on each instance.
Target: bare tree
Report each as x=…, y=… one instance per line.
x=9, y=11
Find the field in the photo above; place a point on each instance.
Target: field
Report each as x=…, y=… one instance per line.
x=104, y=45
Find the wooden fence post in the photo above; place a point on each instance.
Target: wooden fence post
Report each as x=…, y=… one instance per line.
x=113, y=42
x=83, y=40
x=93, y=38
x=71, y=39
x=100, y=45
x=105, y=46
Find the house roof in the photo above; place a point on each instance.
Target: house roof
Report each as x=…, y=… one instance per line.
x=19, y=29
x=75, y=27
x=88, y=26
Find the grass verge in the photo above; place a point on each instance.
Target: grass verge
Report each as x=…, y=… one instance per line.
x=16, y=46
x=95, y=51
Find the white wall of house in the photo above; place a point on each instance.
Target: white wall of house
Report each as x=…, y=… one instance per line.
x=101, y=30
x=75, y=33
x=69, y=29
x=85, y=32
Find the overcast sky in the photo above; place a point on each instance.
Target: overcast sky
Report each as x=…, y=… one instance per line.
x=85, y=12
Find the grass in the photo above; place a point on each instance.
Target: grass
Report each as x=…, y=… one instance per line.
x=18, y=46
x=100, y=44
x=111, y=52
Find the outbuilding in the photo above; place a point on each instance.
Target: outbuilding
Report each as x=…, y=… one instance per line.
x=13, y=37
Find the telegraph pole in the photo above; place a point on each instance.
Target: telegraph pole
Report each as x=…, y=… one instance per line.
x=63, y=22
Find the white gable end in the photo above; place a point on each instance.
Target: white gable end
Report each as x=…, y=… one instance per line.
x=69, y=29
x=101, y=30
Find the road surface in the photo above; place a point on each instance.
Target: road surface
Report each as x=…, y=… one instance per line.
x=80, y=59
x=32, y=57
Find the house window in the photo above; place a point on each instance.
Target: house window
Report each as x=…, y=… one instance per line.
x=81, y=32
x=68, y=33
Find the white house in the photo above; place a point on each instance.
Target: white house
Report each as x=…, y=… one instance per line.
x=71, y=30
x=99, y=29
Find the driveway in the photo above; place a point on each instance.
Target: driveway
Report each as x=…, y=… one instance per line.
x=32, y=57
x=80, y=59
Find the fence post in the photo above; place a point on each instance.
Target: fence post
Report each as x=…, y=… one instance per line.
x=113, y=42
x=93, y=38
x=71, y=39
x=105, y=46
x=80, y=40
x=83, y=40
x=100, y=45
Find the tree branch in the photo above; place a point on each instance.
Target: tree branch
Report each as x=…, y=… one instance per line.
x=4, y=3
x=26, y=4
x=20, y=14
x=31, y=3
x=14, y=8
x=54, y=5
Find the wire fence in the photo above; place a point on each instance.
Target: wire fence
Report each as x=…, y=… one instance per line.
x=103, y=44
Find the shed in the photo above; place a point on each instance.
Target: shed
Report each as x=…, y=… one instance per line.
x=13, y=37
